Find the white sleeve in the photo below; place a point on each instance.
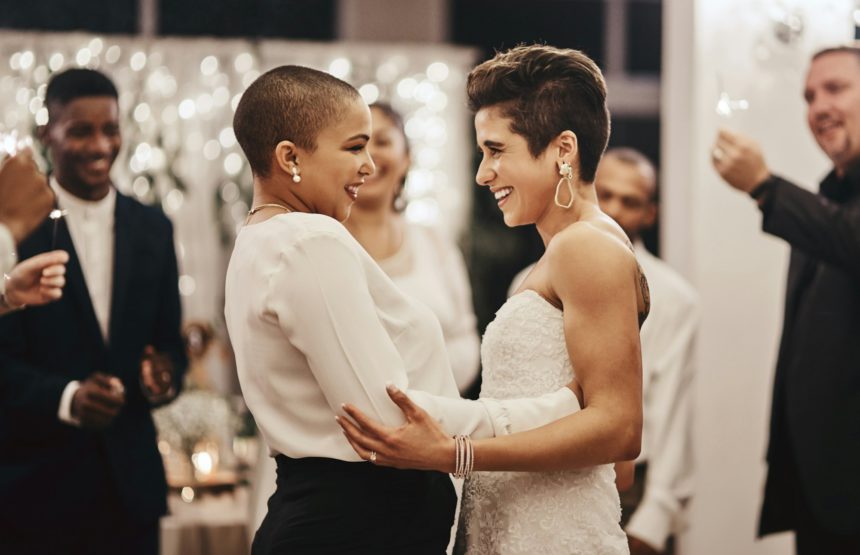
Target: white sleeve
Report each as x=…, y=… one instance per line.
x=519, y=415
x=7, y=255
x=321, y=299
x=65, y=411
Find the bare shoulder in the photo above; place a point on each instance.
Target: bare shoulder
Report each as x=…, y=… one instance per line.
x=586, y=259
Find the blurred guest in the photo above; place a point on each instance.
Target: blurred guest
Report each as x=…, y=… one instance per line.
x=210, y=364
x=813, y=486
x=420, y=260
x=25, y=200
x=652, y=510
x=79, y=467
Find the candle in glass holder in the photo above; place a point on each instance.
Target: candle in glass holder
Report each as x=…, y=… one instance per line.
x=205, y=460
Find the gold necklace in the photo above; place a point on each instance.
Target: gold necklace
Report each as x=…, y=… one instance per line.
x=256, y=209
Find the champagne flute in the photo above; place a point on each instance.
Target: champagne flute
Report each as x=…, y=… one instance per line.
x=726, y=105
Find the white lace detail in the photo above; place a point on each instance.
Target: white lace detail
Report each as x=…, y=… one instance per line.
x=574, y=512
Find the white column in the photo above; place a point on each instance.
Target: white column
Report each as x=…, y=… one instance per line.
x=147, y=18
x=384, y=20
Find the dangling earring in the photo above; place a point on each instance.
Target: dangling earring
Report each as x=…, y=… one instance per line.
x=566, y=173
x=296, y=177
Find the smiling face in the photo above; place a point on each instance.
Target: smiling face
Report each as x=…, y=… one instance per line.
x=388, y=149
x=333, y=172
x=522, y=185
x=625, y=192
x=832, y=96
x=83, y=139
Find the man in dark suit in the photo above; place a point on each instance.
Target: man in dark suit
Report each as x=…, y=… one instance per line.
x=813, y=483
x=80, y=471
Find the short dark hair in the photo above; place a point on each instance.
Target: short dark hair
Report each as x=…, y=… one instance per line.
x=76, y=83
x=853, y=48
x=287, y=103
x=546, y=90
x=633, y=157
x=397, y=119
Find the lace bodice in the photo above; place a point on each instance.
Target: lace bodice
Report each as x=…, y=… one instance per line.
x=572, y=512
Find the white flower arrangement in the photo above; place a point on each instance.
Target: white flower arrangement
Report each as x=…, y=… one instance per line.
x=194, y=416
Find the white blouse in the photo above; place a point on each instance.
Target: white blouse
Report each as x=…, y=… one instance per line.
x=315, y=323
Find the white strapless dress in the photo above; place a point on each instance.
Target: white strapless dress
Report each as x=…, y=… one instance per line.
x=574, y=512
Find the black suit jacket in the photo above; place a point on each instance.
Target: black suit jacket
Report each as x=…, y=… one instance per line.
x=815, y=422
x=52, y=472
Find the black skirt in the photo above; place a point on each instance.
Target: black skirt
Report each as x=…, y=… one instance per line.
x=324, y=506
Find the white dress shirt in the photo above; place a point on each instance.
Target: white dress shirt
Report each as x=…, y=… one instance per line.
x=91, y=226
x=430, y=268
x=315, y=323
x=667, y=371
x=7, y=255
x=7, y=262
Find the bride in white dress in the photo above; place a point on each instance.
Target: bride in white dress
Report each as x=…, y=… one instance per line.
x=542, y=126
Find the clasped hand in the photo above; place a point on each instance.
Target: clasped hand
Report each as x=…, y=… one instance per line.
x=98, y=401
x=156, y=375
x=101, y=397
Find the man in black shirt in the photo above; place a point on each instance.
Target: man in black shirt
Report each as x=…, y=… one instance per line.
x=813, y=486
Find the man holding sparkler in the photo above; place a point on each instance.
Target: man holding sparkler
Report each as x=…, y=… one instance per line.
x=79, y=468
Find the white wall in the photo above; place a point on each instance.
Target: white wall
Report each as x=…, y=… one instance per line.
x=713, y=235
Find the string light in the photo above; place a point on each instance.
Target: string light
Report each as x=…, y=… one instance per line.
x=177, y=110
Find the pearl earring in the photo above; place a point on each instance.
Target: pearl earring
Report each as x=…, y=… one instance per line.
x=296, y=177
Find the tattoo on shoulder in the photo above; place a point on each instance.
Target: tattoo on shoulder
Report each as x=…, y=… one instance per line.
x=646, y=296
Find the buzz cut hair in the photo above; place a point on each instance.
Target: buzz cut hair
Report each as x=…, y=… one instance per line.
x=633, y=157
x=852, y=48
x=291, y=103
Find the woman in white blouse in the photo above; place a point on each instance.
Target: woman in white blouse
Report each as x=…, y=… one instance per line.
x=419, y=259
x=315, y=323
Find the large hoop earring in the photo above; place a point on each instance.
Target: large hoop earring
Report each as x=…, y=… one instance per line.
x=566, y=173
